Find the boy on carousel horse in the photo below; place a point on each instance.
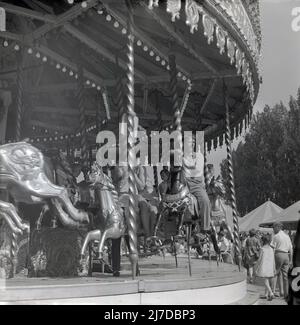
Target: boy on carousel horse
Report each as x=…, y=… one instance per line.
x=193, y=171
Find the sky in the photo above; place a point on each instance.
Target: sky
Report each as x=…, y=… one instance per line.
x=279, y=62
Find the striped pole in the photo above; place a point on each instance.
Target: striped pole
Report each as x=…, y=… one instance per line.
x=205, y=168
x=159, y=122
x=174, y=93
x=132, y=222
x=214, y=235
x=120, y=98
x=237, y=249
x=14, y=251
x=82, y=120
x=20, y=94
x=98, y=115
x=106, y=104
x=185, y=99
x=120, y=92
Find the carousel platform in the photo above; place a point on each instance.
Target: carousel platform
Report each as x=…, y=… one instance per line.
x=160, y=283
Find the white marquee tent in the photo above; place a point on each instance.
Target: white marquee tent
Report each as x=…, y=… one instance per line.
x=289, y=217
x=266, y=213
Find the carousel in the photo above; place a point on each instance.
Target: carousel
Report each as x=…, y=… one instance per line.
x=70, y=69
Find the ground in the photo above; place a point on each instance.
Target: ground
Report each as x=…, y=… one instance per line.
x=258, y=287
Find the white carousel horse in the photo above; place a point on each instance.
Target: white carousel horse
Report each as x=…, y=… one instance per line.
x=112, y=217
x=22, y=174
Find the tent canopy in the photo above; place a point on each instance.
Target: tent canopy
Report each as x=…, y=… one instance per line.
x=266, y=213
x=289, y=217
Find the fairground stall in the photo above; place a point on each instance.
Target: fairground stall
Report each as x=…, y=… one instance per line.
x=70, y=69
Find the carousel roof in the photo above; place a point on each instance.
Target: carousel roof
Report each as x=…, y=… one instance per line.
x=216, y=43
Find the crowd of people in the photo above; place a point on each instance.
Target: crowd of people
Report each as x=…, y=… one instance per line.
x=269, y=258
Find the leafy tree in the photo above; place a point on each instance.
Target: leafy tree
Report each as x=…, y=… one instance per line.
x=267, y=164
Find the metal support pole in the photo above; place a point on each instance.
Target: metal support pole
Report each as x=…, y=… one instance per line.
x=98, y=112
x=82, y=120
x=132, y=223
x=237, y=249
x=174, y=93
x=20, y=95
x=188, y=238
x=213, y=235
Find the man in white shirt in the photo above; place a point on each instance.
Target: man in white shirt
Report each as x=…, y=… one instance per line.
x=283, y=250
x=193, y=168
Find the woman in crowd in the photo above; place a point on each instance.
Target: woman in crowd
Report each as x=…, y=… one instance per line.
x=252, y=251
x=265, y=266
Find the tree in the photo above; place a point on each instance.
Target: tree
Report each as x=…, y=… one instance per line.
x=267, y=164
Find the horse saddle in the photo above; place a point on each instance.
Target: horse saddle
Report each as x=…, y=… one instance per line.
x=178, y=202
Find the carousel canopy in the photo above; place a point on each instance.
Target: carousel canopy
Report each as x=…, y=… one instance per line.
x=216, y=44
x=289, y=217
x=267, y=212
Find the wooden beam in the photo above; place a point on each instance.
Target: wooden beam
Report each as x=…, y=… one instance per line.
x=50, y=126
x=61, y=110
x=179, y=38
x=12, y=36
x=197, y=77
x=37, y=6
x=52, y=88
x=62, y=60
x=149, y=65
x=208, y=97
x=28, y=13
x=60, y=20
x=142, y=36
x=74, y=113
x=98, y=48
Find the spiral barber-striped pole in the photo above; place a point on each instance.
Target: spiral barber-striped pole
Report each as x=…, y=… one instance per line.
x=159, y=122
x=14, y=251
x=206, y=178
x=98, y=112
x=214, y=234
x=185, y=99
x=132, y=224
x=174, y=94
x=120, y=98
x=20, y=93
x=237, y=248
x=82, y=120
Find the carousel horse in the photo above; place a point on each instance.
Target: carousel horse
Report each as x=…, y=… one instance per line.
x=178, y=203
x=216, y=192
x=23, y=175
x=112, y=220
